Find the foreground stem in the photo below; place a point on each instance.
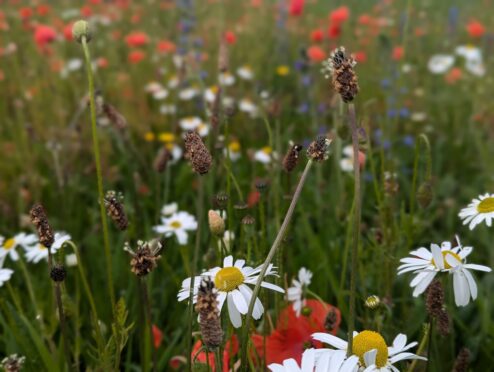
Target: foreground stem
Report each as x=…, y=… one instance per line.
x=269, y=258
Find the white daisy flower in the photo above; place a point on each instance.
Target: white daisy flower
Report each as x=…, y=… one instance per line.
x=370, y=350
x=188, y=93
x=427, y=264
x=8, y=247
x=169, y=209
x=231, y=282
x=190, y=123
x=475, y=67
x=264, y=155
x=295, y=293
x=245, y=72
x=226, y=79
x=291, y=365
x=5, y=274
x=176, y=152
x=160, y=94
x=228, y=238
x=479, y=210
x=39, y=252
x=440, y=63
x=469, y=52
x=346, y=162
x=177, y=224
x=173, y=82
x=249, y=107
x=228, y=102
x=210, y=94
x=233, y=150
x=203, y=129
x=168, y=109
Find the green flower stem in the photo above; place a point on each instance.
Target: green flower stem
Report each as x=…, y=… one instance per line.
x=269, y=258
x=147, y=310
x=357, y=201
x=423, y=342
x=97, y=161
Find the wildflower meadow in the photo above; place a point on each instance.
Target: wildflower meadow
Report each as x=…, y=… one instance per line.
x=246, y=185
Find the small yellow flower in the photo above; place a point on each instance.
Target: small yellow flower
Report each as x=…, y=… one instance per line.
x=234, y=146
x=267, y=150
x=149, y=136
x=166, y=137
x=282, y=70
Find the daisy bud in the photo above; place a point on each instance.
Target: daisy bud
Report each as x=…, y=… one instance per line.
x=461, y=362
x=372, y=302
x=319, y=149
x=115, y=210
x=40, y=221
x=58, y=273
x=291, y=158
x=216, y=223
x=81, y=29
x=144, y=257
x=197, y=153
x=209, y=316
x=13, y=363
x=340, y=67
x=425, y=194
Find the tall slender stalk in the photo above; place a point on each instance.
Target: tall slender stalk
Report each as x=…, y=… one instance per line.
x=147, y=309
x=200, y=208
x=356, y=223
x=97, y=161
x=269, y=258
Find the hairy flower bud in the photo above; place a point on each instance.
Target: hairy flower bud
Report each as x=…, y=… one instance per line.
x=81, y=29
x=216, y=223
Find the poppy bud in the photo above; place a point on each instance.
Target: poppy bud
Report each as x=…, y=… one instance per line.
x=425, y=194
x=216, y=223
x=81, y=29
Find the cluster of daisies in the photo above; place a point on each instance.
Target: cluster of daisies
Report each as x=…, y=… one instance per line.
x=450, y=258
x=34, y=251
x=472, y=58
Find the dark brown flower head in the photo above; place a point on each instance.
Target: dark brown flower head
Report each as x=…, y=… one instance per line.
x=340, y=67
x=331, y=320
x=115, y=117
x=58, y=273
x=220, y=200
x=248, y=220
x=291, y=158
x=197, y=153
x=13, y=363
x=461, y=362
x=40, y=221
x=209, y=315
x=435, y=307
x=161, y=160
x=319, y=149
x=144, y=257
x=115, y=209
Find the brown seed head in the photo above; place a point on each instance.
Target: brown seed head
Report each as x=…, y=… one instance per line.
x=209, y=315
x=340, y=67
x=319, y=149
x=291, y=158
x=462, y=359
x=331, y=321
x=40, y=221
x=13, y=363
x=161, y=160
x=115, y=209
x=115, y=117
x=58, y=273
x=197, y=153
x=144, y=258
x=435, y=307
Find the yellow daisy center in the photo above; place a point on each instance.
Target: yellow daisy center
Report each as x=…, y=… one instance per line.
x=228, y=279
x=149, y=136
x=41, y=247
x=486, y=206
x=368, y=340
x=166, y=137
x=234, y=146
x=446, y=264
x=176, y=224
x=283, y=70
x=267, y=150
x=9, y=244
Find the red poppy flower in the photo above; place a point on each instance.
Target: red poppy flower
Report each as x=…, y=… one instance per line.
x=67, y=32
x=230, y=37
x=453, y=75
x=136, y=56
x=296, y=7
x=334, y=31
x=166, y=46
x=316, y=54
x=44, y=35
x=102, y=62
x=43, y=9
x=365, y=19
x=177, y=362
x=398, y=52
x=475, y=29
x=360, y=56
x=339, y=15
x=293, y=334
x=25, y=13
x=157, y=337
x=231, y=349
x=253, y=198
x=317, y=35
x=86, y=11
x=136, y=39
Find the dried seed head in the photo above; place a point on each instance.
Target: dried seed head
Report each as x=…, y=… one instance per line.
x=161, y=160
x=115, y=117
x=209, y=315
x=435, y=307
x=290, y=160
x=13, y=363
x=248, y=220
x=461, y=362
x=215, y=109
x=331, y=321
x=261, y=185
x=40, y=221
x=81, y=29
x=443, y=323
x=115, y=209
x=391, y=185
x=197, y=153
x=220, y=200
x=319, y=149
x=216, y=223
x=372, y=302
x=340, y=67
x=223, y=57
x=58, y=273
x=144, y=257
x=425, y=194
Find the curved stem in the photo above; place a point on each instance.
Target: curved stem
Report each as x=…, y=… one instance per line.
x=97, y=161
x=269, y=258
